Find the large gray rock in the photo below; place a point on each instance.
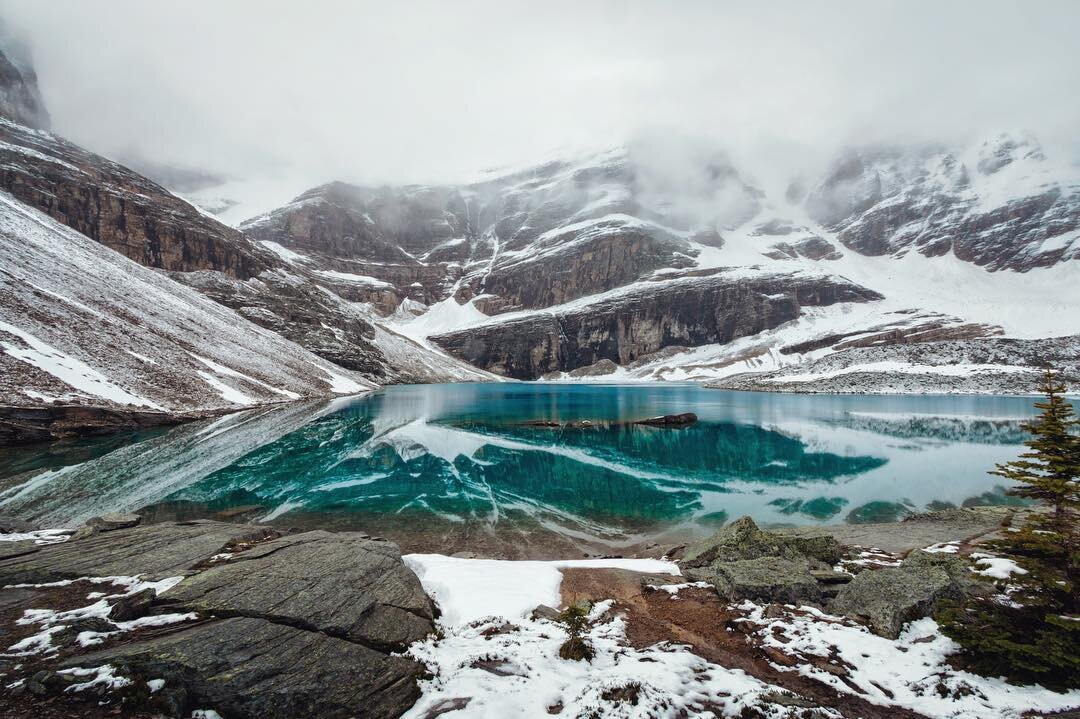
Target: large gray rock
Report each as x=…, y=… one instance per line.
x=153, y=549
x=253, y=668
x=886, y=599
x=344, y=585
x=114, y=520
x=772, y=579
x=742, y=539
x=297, y=625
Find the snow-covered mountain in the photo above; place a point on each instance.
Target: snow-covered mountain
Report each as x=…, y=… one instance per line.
x=658, y=260
x=89, y=338
x=147, y=223
x=663, y=261
x=124, y=305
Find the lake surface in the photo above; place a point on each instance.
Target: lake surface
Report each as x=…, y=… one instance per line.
x=458, y=468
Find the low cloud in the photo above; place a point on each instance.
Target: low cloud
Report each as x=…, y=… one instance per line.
x=430, y=91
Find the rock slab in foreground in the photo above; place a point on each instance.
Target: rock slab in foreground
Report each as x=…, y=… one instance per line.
x=246, y=667
x=288, y=626
x=341, y=584
x=154, y=549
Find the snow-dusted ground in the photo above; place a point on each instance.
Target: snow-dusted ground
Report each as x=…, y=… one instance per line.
x=81, y=323
x=48, y=622
x=911, y=672
x=492, y=660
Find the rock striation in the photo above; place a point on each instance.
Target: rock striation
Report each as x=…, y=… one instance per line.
x=262, y=624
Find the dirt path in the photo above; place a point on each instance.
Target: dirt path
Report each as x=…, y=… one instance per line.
x=701, y=620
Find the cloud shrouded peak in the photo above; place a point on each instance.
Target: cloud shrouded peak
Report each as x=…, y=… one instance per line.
x=428, y=91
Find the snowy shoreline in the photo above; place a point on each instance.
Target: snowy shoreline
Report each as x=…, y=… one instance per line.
x=495, y=650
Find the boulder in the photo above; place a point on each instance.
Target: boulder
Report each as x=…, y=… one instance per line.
x=886, y=599
x=772, y=579
x=342, y=584
x=543, y=611
x=742, y=539
x=114, y=520
x=247, y=668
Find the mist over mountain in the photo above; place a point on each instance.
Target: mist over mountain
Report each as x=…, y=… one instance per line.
x=375, y=92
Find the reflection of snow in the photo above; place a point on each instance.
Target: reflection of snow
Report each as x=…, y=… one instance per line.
x=448, y=443
x=454, y=443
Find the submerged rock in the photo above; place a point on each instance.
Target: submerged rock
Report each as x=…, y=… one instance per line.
x=670, y=420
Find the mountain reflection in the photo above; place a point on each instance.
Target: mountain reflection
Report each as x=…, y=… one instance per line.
x=456, y=466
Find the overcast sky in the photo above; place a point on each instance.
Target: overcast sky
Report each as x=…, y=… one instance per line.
x=418, y=91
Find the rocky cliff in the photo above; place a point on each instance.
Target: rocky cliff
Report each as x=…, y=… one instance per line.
x=604, y=235
x=687, y=312
x=1005, y=206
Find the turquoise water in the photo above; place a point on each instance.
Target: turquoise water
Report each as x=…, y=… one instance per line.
x=458, y=467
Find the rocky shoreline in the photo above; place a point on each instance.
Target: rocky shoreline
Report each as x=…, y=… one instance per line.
x=238, y=620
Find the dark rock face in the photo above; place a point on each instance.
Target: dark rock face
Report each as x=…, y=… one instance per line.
x=527, y=240
x=690, y=312
x=22, y=425
x=299, y=580
x=133, y=215
x=885, y=200
x=595, y=265
x=253, y=668
x=20, y=100
x=299, y=311
x=814, y=248
x=286, y=626
x=119, y=208
x=152, y=549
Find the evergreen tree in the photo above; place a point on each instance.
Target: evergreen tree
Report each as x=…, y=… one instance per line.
x=1029, y=630
x=1050, y=471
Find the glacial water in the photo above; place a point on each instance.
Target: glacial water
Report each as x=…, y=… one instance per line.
x=464, y=468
